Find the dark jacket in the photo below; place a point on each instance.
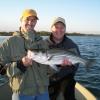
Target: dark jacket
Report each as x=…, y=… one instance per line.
x=68, y=45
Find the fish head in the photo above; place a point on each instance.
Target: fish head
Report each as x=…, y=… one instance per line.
x=37, y=56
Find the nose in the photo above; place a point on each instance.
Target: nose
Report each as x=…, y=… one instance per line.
x=30, y=22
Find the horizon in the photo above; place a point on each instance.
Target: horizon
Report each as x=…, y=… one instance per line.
x=77, y=33
x=81, y=16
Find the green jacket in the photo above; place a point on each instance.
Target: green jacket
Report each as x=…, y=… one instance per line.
x=34, y=80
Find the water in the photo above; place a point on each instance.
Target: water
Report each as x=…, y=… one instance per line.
x=90, y=48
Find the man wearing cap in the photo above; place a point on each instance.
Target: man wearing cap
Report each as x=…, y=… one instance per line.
x=28, y=79
x=62, y=82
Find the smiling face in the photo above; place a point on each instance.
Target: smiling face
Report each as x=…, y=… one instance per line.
x=28, y=24
x=58, y=30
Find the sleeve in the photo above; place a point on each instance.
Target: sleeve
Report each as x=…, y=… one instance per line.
x=21, y=67
x=5, y=60
x=13, y=70
x=5, y=53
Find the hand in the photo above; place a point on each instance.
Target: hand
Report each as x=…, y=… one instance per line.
x=26, y=61
x=66, y=62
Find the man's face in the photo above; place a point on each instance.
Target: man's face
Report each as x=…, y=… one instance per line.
x=58, y=30
x=28, y=24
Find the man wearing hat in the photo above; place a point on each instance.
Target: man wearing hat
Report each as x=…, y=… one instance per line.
x=62, y=82
x=28, y=79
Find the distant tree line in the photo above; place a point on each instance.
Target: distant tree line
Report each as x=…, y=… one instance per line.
x=45, y=33
x=6, y=33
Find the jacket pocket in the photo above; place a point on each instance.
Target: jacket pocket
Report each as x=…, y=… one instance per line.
x=15, y=82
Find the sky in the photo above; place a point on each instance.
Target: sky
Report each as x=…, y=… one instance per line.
x=81, y=16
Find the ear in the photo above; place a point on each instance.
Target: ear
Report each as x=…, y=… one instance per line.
x=53, y=28
x=65, y=29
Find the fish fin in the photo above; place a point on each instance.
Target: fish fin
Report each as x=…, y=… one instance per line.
x=89, y=63
x=50, y=57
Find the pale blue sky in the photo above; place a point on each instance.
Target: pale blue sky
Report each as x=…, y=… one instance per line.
x=81, y=15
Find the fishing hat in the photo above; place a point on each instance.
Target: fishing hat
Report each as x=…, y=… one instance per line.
x=58, y=19
x=28, y=12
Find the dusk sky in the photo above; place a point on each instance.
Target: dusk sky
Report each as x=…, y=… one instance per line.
x=80, y=15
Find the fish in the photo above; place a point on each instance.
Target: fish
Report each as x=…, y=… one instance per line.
x=54, y=57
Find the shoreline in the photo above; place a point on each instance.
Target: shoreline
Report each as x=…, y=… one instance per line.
x=45, y=33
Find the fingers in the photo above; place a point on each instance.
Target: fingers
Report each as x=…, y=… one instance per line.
x=29, y=54
x=26, y=61
x=66, y=62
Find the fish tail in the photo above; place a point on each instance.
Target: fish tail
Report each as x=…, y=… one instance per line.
x=89, y=63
